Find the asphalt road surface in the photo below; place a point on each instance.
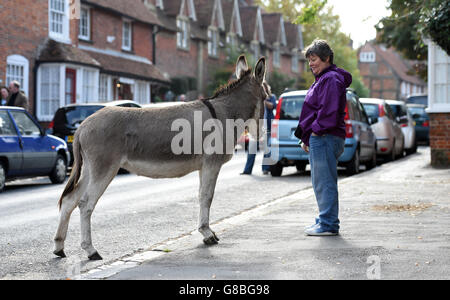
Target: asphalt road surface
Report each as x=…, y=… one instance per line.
x=134, y=214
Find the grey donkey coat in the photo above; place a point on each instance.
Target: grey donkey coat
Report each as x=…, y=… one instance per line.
x=140, y=141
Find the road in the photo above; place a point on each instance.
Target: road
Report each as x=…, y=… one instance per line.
x=134, y=214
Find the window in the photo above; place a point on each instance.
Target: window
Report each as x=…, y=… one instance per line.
x=276, y=55
x=127, y=35
x=367, y=56
x=232, y=40
x=6, y=125
x=183, y=33
x=49, y=94
x=294, y=63
x=142, y=94
x=17, y=68
x=85, y=24
x=89, y=85
x=213, y=40
x=25, y=124
x=59, y=20
x=103, y=88
x=255, y=50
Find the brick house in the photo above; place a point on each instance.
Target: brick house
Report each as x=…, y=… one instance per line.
x=385, y=73
x=195, y=36
x=439, y=105
x=102, y=54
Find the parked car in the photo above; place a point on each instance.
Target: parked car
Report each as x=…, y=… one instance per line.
x=422, y=122
x=27, y=151
x=360, y=141
x=418, y=99
x=68, y=118
x=406, y=122
x=390, y=138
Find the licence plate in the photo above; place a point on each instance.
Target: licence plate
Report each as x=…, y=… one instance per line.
x=70, y=138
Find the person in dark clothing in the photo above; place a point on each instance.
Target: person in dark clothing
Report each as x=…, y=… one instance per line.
x=16, y=97
x=322, y=132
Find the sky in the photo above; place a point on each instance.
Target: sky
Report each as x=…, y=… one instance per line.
x=358, y=17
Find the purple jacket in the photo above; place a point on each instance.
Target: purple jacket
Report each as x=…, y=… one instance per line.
x=324, y=109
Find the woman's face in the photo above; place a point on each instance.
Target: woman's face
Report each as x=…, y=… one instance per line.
x=4, y=93
x=317, y=65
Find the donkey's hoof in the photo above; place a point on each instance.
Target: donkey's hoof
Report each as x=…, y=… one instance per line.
x=212, y=240
x=95, y=256
x=59, y=253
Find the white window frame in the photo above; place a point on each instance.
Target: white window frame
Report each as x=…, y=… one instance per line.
x=89, y=84
x=438, y=77
x=142, y=92
x=63, y=34
x=255, y=49
x=183, y=33
x=213, y=42
x=56, y=90
x=127, y=46
x=105, y=88
x=17, y=68
x=85, y=12
x=367, y=57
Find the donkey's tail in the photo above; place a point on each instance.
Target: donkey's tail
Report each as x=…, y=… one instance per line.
x=76, y=170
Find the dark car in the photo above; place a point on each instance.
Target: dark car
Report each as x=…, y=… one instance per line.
x=68, y=118
x=422, y=122
x=360, y=141
x=27, y=151
x=417, y=99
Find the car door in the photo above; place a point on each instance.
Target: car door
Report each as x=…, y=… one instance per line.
x=399, y=137
x=38, y=155
x=10, y=148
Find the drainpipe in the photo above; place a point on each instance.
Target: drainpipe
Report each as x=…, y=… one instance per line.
x=154, y=33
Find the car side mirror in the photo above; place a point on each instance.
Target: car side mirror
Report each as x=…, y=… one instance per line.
x=373, y=120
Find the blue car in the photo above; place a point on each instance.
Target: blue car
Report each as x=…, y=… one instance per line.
x=27, y=151
x=360, y=141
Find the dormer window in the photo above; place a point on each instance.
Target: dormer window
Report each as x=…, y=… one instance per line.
x=367, y=57
x=85, y=24
x=276, y=55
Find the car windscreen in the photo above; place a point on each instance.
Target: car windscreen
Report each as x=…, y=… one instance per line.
x=371, y=110
x=77, y=114
x=291, y=107
x=418, y=112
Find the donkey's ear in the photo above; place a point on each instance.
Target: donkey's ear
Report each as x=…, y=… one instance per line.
x=260, y=70
x=241, y=66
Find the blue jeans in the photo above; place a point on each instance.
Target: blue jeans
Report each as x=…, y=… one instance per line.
x=251, y=154
x=324, y=152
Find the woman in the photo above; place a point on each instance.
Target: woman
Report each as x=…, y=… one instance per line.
x=322, y=132
x=4, y=96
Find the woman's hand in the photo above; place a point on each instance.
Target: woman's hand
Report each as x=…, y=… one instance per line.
x=305, y=148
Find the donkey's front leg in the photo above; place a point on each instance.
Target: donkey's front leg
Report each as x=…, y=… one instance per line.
x=208, y=178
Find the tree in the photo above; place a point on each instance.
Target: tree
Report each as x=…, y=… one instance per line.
x=413, y=21
x=320, y=22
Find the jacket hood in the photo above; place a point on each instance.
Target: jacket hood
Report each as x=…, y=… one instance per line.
x=346, y=77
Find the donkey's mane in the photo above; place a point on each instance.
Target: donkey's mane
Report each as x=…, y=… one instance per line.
x=227, y=88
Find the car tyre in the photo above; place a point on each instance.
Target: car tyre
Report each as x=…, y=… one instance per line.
x=301, y=166
x=373, y=162
x=59, y=172
x=352, y=167
x=2, y=177
x=276, y=170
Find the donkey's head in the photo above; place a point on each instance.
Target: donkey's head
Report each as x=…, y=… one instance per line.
x=259, y=88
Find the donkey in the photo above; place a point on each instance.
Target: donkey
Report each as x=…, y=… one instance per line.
x=139, y=140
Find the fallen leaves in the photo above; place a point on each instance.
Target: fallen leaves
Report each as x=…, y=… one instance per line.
x=402, y=207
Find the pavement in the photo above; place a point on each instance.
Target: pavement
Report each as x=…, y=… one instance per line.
x=395, y=224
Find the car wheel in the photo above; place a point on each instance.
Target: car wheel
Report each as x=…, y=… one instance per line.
x=373, y=162
x=59, y=172
x=301, y=166
x=2, y=177
x=353, y=165
x=276, y=170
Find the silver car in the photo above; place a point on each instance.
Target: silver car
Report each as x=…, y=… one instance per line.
x=406, y=122
x=390, y=138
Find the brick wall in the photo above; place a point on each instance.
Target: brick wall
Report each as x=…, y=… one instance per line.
x=24, y=26
x=440, y=139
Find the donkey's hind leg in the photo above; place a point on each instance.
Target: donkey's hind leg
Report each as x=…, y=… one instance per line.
x=208, y=178
x=68, y=204
x=95, y=189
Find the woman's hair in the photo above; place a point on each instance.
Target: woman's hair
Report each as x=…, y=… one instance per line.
x=321, y=49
